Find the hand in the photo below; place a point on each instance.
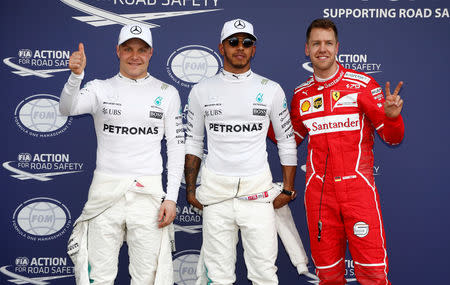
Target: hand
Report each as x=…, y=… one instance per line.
x=393, y=104
x=167, y=213
x=77, y=61
x=190, y=196
x=283, y=199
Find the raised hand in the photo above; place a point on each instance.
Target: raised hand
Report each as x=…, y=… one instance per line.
x=77, y=61
x=393, y=104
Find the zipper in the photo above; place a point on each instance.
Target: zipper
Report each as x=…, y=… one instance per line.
x=319, y=224
x=237, y=188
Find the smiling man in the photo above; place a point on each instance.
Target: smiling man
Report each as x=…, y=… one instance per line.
x=339, y=109
x=132, y=112
x=236, y=107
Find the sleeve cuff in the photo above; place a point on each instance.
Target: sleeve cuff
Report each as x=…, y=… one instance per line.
x=75, y=79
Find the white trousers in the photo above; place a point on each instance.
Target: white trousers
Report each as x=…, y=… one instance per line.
x=134, y=219
x=221, y=223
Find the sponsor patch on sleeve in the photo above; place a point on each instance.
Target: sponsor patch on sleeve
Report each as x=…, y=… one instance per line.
x=376, y=91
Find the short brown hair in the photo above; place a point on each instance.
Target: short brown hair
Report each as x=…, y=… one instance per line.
x=322, y=24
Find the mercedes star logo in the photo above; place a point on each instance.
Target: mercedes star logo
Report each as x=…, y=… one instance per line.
x=239, y=24
x=136, y=30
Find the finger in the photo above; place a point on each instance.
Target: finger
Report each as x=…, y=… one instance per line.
x=397, y=89
x=163, y=223
x=75, y=59
x=81, y=48
x=400, y=103
x=167, y=220
x=161, y=214
x=75, y=54
x=388, y=89
x=74, y=64
x=389, y=103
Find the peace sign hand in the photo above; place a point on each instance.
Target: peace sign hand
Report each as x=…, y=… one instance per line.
x=393, y=104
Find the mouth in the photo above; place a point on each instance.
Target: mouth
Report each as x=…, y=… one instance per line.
x=240, y=56
x=134, y=63
x=322, y=57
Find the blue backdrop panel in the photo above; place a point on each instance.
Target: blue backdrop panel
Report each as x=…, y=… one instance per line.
x=47, y=159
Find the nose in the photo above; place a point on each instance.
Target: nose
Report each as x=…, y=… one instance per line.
x=134, y=55
x=240, y=45
x=322, y=47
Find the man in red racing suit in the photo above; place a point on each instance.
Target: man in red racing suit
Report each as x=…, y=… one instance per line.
x=340, y=114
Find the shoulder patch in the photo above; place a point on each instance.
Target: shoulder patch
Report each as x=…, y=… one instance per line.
x=302, y=86
x=357, y=76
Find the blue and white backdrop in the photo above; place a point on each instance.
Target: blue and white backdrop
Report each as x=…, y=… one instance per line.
x=47, y=159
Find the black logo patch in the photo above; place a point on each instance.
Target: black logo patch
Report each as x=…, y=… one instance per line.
x=156, y=115
x=259, y=112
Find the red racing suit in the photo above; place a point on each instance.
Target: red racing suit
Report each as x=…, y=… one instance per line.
x=341, y=199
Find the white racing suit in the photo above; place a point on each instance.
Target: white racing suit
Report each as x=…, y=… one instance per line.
x=119, y=209
x=236, y=111
x=131, y=117
x=286, y=230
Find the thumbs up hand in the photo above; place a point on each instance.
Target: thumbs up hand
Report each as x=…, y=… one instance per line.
x=77, y=61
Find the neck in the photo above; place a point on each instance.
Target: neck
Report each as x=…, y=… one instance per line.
x=236, y=70
x=139, y=78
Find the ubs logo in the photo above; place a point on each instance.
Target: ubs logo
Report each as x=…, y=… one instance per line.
x=213, y=112
x=113, y=112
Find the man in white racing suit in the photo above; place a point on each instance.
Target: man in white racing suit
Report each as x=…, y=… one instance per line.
x=236, y=107
x=132, y=112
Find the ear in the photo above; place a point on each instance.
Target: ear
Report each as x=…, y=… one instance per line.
x=253, y=50
x=306, y=49
x=221, y=49
x=117, y=50
x=151, y=51
x=337, y=48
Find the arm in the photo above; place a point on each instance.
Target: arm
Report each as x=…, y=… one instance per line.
x=194, y=146
x=72, y=100
x=384, y=115
x=288, y=184
x=283, y=130
x=287, y=147
x=174, y=133
x=191, y=168
x=300, y=131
